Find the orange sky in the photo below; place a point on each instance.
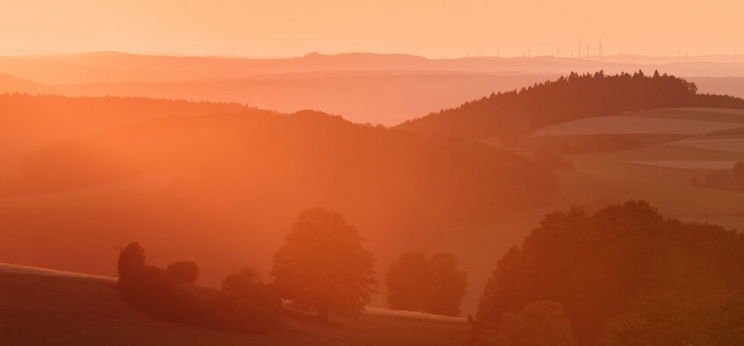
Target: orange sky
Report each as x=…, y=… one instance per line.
x=435, y=28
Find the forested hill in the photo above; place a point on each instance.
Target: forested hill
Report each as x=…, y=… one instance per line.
x=224, y=181
x=517, y=113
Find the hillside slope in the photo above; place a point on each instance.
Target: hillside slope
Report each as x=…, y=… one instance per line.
x=29, y=122
x=11, y=84
x=376, y=97
x=41, y=307
x=223, y=190
x=514, y=115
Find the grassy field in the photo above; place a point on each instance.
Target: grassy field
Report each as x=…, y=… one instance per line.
x=598, y=179
x=734, y=116
x=661, y=170
x=634, y=124
x=39, y=307
x=603, y=178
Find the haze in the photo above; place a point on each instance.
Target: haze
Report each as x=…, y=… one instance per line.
x=275, y=28
x=393, y=173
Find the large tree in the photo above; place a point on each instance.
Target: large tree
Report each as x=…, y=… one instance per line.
x=323, y=267
x=448, y=284
x=599, y=266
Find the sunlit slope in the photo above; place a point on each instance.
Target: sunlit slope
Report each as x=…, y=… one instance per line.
x=657, y=167
x=28, y=122
x=10, y=84
x=668, y=166
x=41, y=307
x=573, y=102
x=224, y=189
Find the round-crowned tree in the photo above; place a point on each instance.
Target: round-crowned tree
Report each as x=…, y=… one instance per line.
x=131, y=260
x=448, y=284
x=323, y=267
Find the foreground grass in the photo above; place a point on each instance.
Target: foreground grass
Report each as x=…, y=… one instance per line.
x=37, y=308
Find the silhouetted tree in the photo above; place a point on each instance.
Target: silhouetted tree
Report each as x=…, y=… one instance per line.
x=157, y=293
x=131, y=260
x=448, y=285
x=567, y=98
x=597, y=266
x=323, y=267
x=183, y=271
x=408, y=282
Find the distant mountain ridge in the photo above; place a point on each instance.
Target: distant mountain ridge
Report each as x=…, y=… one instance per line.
x=363, y=87
x=106, y=67
x=13, y=84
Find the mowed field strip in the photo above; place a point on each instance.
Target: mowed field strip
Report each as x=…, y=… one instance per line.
x=686, y=164
x=622, y=124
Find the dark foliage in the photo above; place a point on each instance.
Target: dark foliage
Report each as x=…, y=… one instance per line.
x=448, y=284
x=540, y=323
x=164, y=296
x=183, y=271
x=323, y=267
x=517, y=113
x=408, y=282
x=670, y=319
x=131, y=260
x=248, y=289
x=717, y=101
x=434, y=285
x=597, y=266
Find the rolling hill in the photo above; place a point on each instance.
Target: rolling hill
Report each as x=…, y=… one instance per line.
x=29, y=122
x=678, y=166
x=403, y=86
x=39, y=306
x=515, y=115
x=11, y=84
x=223, y=188
x=377, y=97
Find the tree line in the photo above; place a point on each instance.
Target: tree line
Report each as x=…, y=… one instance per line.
x=322, y=268
x=625, y=275
x=512, y=115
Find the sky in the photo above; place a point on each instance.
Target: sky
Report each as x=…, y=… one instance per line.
x=432, y=28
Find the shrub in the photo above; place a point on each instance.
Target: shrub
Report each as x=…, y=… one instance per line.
x=247, y=288
x=183, y=271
